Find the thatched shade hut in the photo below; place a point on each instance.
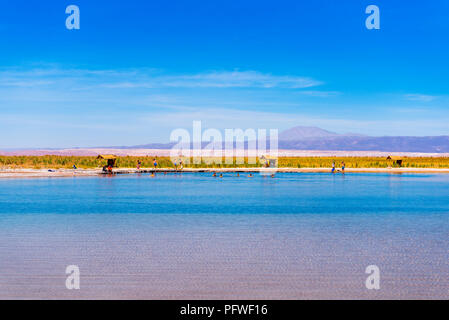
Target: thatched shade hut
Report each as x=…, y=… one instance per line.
x=109, y=157
x=396, y=160
x=269, y=162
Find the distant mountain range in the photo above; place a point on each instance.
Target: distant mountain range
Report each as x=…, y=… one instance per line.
x=299, y=138
x=313, y=138
x=302, y=133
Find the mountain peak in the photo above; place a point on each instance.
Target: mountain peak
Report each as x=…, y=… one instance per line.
x=302, y=132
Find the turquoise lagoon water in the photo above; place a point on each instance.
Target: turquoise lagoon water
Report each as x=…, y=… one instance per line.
x=299, y=235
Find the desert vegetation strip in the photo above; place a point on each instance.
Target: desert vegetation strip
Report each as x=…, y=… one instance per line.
x=87, y=162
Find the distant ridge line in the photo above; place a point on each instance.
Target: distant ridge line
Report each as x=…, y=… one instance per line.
x=308, y=138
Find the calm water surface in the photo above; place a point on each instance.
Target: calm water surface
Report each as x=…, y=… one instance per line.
x=193, y=236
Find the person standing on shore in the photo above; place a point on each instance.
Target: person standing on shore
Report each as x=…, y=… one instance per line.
x=343, y=167
x=333, y=166
x=138, y=164
x=155, y=163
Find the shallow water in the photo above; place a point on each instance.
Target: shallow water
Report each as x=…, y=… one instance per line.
x=192, y=236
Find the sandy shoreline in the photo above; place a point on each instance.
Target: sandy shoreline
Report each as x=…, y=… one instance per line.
x=45, y=173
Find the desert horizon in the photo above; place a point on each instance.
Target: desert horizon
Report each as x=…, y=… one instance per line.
x=296, y=140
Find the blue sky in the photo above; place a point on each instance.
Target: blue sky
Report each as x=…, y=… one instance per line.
x=136, y=70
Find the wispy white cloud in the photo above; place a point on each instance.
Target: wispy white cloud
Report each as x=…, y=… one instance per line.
x=319, y=93
x=419, y=97
x=150, y=78
x=239, y=79
x=225, y=79
x=68, y=106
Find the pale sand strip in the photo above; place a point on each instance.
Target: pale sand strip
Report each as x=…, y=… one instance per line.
x=167, y=153
x=44, y=173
